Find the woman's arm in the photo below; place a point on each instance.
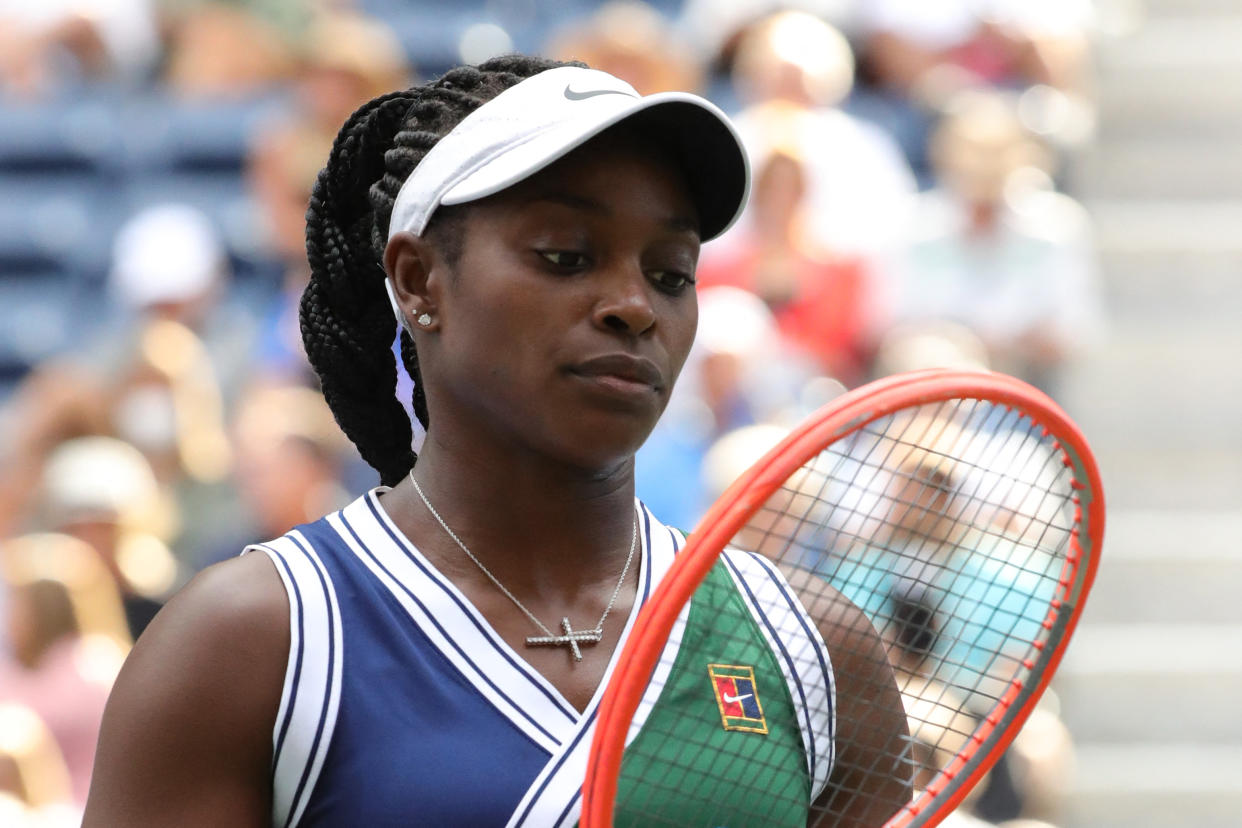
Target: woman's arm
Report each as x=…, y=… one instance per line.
x=187, y=733
x=870, y=780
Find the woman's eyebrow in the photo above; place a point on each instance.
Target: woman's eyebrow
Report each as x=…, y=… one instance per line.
x=682, y=224
x=578, y=202
x=675, y=223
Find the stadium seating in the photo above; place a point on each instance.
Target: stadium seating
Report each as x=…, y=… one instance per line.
x=73, y=168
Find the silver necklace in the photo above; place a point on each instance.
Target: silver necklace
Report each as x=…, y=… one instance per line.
x=570, y=638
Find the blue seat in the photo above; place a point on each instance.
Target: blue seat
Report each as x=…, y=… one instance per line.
x=430, y=36
x=43, y=316
x=223, y=196
x=166, y=133
x=226, y=200
x=55, y=223
x=60, y=137
x=37, y=319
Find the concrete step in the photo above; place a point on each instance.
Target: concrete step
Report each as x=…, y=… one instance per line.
x=1146, y=280
x=1196, y=304
x=1158, y=397
x=1177, y=785
x=1174, y=77
x=1169, y=386
x=1138, y=476
x=1158, y=10
x=1171, y=259
x=1142, y=167
x=1159, y=105
x=1160, y=224
x=1161, y=415
x=1158, y=401
x=1168, y=567
x=1123, y=684
x=1192, y=40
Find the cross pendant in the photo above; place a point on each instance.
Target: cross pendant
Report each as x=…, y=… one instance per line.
x=571, y=639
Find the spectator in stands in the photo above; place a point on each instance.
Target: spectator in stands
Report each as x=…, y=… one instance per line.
x=345, y=59
x=823, y=301
x=918, y=346
x=916, y=54
x=51, y=406
x=1041, y=765
x=633, y=41
x=858, y=184
x=999, y=42
x=184, y=358
x=290, y=460
x=34, y=784
x=714, y=28
x=727, y=459
x=940, y=725
x=159, y=380
x=102, y=492
x=231, y=48
x=47, y=44
x=63, y=622
x=994, y=248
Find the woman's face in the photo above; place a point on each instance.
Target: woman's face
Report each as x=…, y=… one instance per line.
x=570, y=310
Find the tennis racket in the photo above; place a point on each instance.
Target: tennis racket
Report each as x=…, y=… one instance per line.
x=940, y=531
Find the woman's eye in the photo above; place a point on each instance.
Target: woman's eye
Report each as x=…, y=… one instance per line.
x=671, y=281
x=567, y=259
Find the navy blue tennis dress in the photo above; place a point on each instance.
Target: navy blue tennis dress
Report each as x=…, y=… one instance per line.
x=402, y=706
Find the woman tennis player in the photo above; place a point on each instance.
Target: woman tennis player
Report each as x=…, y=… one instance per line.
x=433, y=653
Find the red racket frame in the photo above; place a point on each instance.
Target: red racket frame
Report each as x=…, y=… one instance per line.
x=840, y=418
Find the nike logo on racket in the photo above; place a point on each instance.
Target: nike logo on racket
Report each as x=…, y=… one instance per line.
x=735, y=699
x=573, y=95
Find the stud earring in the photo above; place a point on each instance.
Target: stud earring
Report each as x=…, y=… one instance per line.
x=424, y=319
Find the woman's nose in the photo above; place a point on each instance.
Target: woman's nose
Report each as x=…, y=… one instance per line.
x=625, y=303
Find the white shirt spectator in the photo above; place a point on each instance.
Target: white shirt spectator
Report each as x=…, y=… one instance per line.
x=859, y=184
x=1030, y=277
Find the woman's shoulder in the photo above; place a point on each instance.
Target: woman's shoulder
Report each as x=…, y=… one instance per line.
x=245, y=590
x=196, y=703
x=230, y=619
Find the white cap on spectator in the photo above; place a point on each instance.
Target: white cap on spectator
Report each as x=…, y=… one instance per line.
x=166, y=253
x=93, y=478
x=734, y=321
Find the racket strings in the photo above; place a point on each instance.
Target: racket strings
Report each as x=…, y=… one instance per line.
x=950, y=527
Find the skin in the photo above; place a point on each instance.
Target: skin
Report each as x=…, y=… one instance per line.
x=529, y=457
x=870, y=780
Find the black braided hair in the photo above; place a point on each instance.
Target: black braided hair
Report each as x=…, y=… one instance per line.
x=346, y=319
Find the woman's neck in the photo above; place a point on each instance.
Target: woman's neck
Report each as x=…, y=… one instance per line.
x=536, y=526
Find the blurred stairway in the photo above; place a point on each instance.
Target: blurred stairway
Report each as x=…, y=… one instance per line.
x=1152, y=686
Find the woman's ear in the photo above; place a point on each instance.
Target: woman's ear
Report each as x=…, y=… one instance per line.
x=410, y=262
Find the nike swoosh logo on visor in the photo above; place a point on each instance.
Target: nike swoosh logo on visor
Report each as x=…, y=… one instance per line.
x=591, y=93
x=735, y=699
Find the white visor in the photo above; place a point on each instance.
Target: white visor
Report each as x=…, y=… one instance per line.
x=535, y=122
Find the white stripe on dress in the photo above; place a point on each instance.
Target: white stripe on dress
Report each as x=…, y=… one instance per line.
x=311, y=694
x=554, y=799
x=457, y=630
x=799, y=649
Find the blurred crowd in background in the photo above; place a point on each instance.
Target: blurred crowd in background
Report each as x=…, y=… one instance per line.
x=156, y=156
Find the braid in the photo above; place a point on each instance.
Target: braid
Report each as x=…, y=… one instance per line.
x=346, y=319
